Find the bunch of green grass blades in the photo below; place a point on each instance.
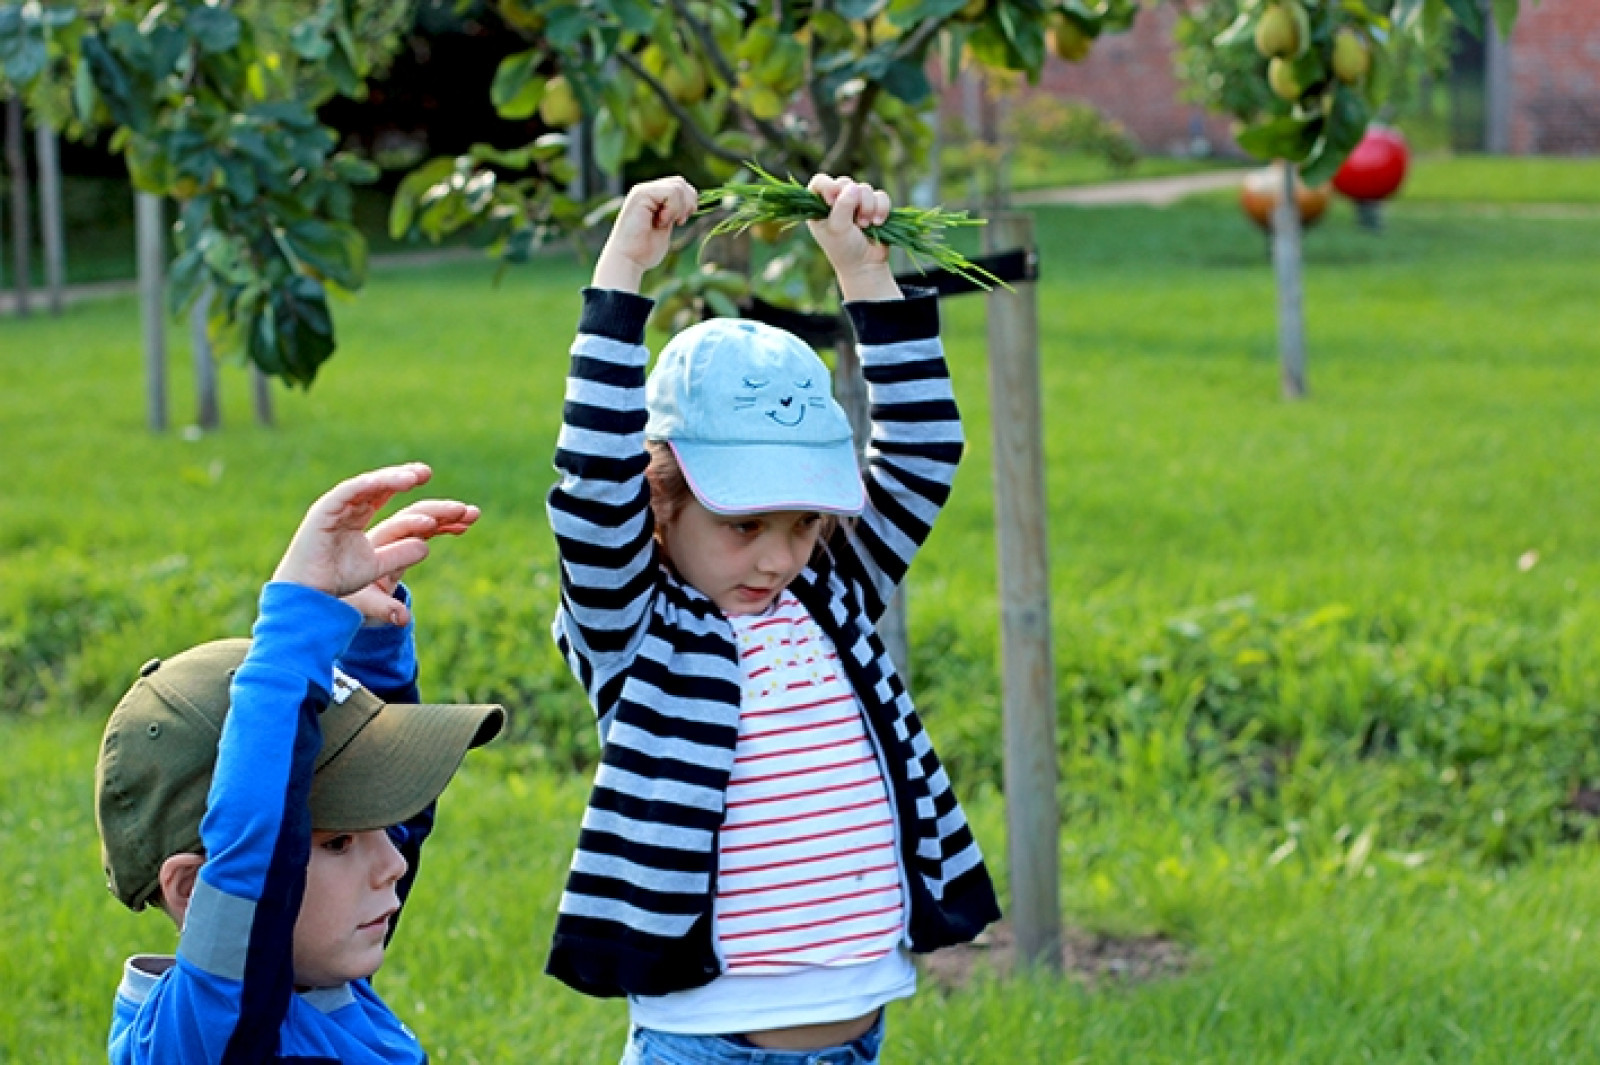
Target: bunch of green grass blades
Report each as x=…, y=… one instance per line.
x=919, y=231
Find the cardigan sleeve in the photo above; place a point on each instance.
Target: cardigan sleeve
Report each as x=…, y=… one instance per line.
x=599, y=508
x=916, y=443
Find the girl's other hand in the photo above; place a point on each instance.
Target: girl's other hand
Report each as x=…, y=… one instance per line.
x=860, y=263
x=642, y=233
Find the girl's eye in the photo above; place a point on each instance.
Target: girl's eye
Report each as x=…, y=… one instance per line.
x=810, y=521
x=337, y=844
x=747, y=528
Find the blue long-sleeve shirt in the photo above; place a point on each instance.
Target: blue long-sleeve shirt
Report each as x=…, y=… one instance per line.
x=228, y=996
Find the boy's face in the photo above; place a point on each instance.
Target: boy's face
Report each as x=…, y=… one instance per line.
x=349, y=901
x=740, y=563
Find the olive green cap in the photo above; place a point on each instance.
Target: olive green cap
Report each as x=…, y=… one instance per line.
x=380, y=763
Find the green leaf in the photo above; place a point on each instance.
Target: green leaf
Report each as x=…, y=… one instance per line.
x=127, y=106
x=1347, y=122
x=335, y=250
x=354, y=169
x=239, y=178
x=1240, y=30
x=610, y=143
x=84, y=96
x=402, y=211
x=302, y=331
x=185, y=277
x=1505, y=15
x=225, y=256
x=22, y=59
x=907, y=80
x=1025, y=36
x=215, y=29
x=565, y=26
x=1281, y=138
x=513, y=75
x=1469, y=14
x=309, y=40
x=924, y=11
x=636, y=16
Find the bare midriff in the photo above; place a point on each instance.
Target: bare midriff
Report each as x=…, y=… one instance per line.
x=814, y=1036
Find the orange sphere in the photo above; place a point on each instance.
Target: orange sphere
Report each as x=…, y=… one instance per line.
x=1259, y=195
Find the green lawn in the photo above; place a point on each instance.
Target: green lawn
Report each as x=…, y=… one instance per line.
x=1364, y=625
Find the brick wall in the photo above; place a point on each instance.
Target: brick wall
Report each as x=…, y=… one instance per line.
x=1555, y=78
x=1129, y=77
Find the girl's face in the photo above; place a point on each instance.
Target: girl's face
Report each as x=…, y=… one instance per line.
x=740, y=562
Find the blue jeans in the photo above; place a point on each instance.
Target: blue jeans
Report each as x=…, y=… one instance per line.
x=646, y=1046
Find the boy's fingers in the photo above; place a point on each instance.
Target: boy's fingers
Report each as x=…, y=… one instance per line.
x=375, y=487
x=402, y=525
x=400, y=555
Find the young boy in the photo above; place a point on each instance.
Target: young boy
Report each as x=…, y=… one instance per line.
x=770, y=832
x=274, y=807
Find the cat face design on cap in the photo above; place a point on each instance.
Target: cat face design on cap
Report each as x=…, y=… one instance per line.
x=784, y=401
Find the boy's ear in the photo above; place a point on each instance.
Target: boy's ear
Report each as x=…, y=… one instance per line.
x=178, y=875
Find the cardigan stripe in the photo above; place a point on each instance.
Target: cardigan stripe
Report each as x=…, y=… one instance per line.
x=660, y=666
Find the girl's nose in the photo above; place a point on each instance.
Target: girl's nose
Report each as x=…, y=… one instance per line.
x=778, y=556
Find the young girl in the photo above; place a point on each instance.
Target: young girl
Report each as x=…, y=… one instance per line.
x=770, y=830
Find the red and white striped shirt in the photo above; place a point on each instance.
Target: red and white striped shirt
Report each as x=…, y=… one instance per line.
x=807, y=874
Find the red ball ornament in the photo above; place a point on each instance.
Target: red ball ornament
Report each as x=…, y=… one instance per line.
x=1377, y=166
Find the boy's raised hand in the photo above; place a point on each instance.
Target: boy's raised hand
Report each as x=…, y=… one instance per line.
x=861, y=264
x=421, y=520
x=642, y=232
x=332, y=552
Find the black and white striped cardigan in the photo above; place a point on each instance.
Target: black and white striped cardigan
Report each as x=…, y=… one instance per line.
x=659, y=664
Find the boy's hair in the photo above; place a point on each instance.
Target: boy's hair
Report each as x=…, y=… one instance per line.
x=669, y=491
x=154, y=771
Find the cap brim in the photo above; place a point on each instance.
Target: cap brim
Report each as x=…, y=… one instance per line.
x=752, y=478
x=397, y=764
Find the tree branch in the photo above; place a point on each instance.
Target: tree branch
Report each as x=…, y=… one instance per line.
x=708, y=42
x=685, y=119
x=725, y=71
x=826, y=109
x=843, y=148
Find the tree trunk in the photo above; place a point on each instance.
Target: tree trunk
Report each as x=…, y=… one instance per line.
x=1287, y=266
x=1496, y=90
x=261, y=395
x=21, y=238
x=151, y=241
x=50, y=222
x=208, y=412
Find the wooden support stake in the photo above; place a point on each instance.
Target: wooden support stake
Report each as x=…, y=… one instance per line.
x=21, y=238
x=50, y=220
x=1033, y=820
x=150, y=237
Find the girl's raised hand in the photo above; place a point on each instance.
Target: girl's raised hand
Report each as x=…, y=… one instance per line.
x=861, y=264
x=642, y=232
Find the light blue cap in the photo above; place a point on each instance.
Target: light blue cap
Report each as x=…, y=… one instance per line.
x=749, y=411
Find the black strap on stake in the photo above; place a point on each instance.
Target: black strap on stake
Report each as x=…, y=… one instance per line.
x=827, y=330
